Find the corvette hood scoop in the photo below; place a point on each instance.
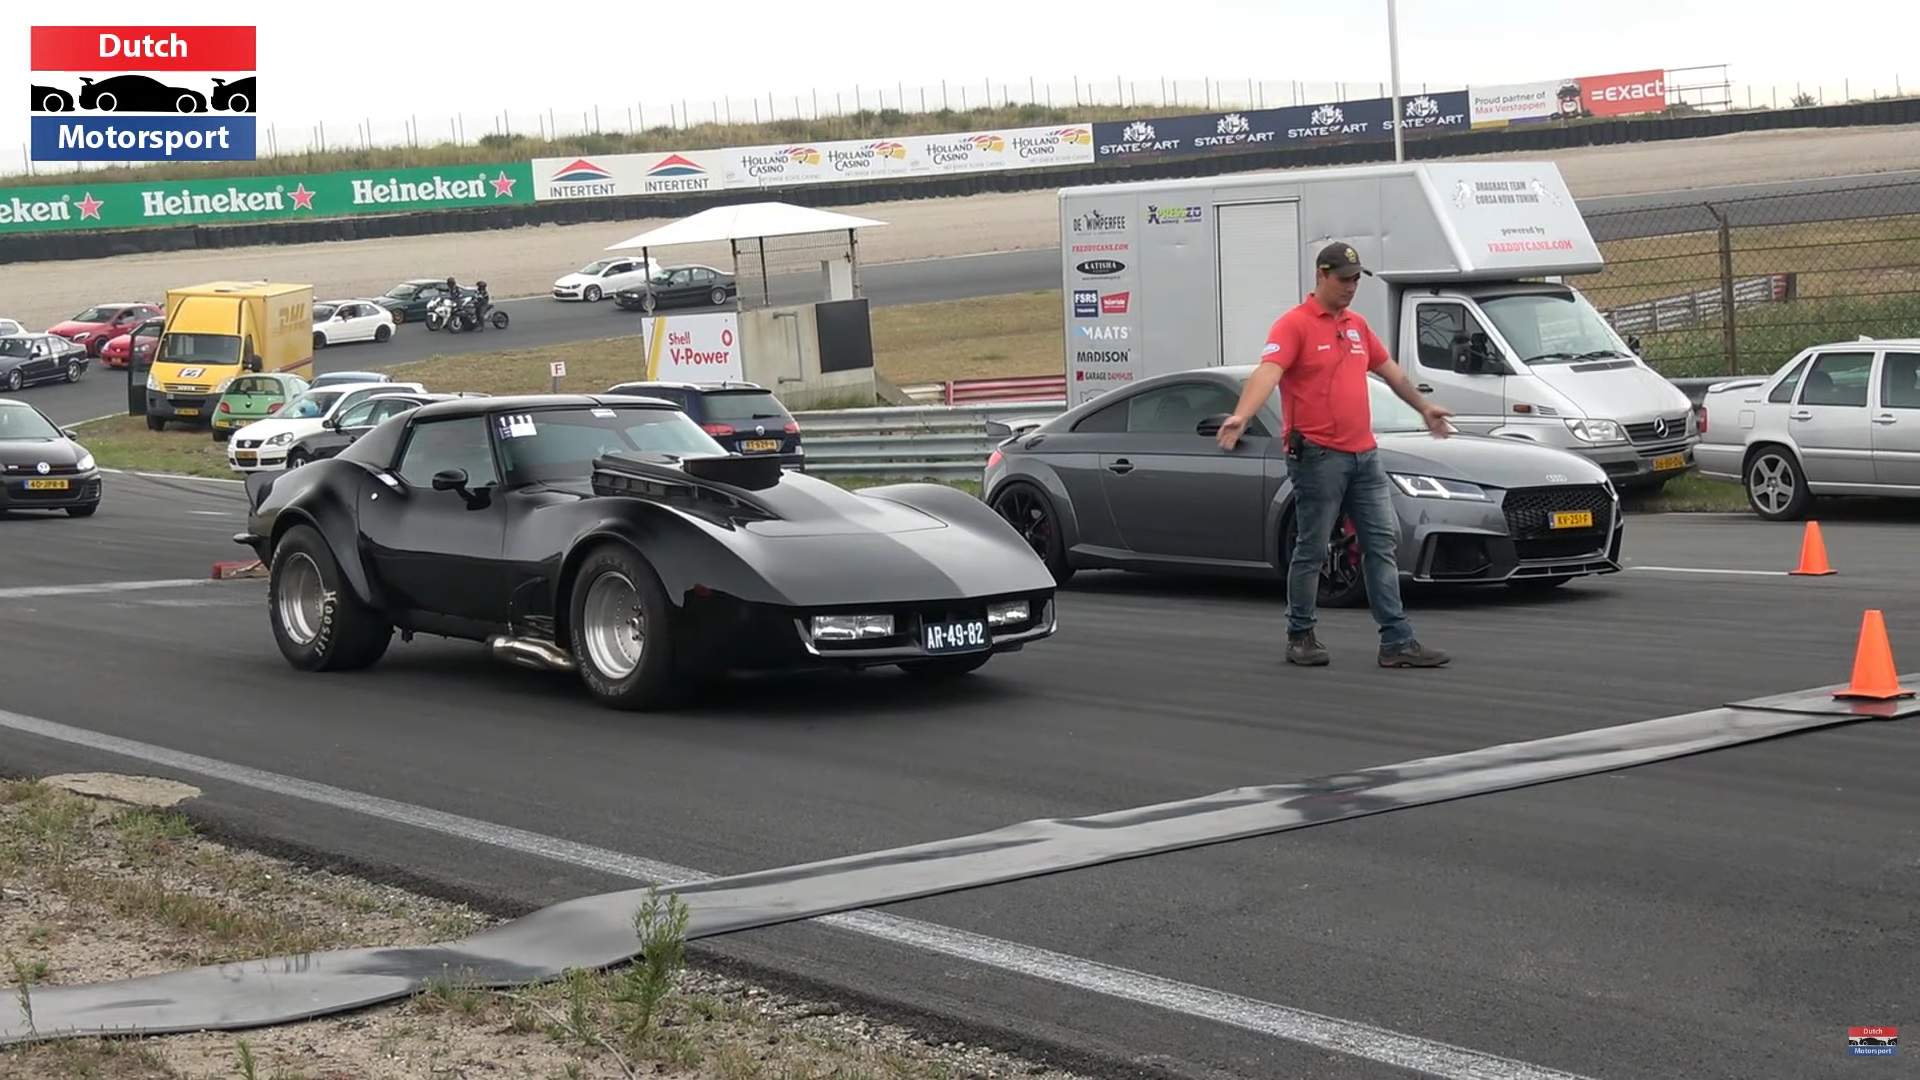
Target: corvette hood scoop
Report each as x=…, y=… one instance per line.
x=753, y=493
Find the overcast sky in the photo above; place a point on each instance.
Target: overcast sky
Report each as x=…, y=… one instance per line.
x=344, y=62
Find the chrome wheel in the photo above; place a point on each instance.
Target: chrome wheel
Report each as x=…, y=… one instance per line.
x=1770, y=483
x=302, y=598
x=612, y=625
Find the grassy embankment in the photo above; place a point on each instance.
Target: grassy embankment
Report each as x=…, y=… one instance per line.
x=107, y=879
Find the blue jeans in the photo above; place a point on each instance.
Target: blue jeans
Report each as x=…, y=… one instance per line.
x=1324, y=481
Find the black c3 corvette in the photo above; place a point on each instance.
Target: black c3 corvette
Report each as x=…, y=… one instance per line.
x=611, y=536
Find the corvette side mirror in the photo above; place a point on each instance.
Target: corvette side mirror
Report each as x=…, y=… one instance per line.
x=456, y=480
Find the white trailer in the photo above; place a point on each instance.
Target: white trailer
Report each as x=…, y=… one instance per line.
x=1163, y=276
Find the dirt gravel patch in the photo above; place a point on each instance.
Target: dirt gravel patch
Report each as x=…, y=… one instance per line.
x=524, y=262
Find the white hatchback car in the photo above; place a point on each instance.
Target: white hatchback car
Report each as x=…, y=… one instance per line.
x=338, y=322
x=602, y=278
x=262, y=445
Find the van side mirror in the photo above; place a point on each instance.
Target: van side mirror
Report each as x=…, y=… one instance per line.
x=1473, y=355
x=1633, y=346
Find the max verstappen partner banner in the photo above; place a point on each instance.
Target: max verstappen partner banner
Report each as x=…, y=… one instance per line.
x=143, y=93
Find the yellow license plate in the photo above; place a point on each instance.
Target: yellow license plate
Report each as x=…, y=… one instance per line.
x=186, y=412
x=1671, y=461
x=46, y=485
x=245, y=457
x=1573, y=519
x=761, y=444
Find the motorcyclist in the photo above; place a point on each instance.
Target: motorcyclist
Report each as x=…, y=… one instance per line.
x=481, y=303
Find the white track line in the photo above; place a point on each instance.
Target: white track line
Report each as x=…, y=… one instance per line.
x=94, y=588
x=1349, y=1037
x=1710, y=570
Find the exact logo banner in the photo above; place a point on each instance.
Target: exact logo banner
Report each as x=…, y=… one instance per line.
x=143, y=93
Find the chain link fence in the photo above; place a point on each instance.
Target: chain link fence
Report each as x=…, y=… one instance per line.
x=1738, y=286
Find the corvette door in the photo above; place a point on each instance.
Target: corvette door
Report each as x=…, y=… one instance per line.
x=430, y=549
x=1175, y=494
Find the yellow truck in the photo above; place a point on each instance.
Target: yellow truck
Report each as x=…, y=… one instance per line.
x=219, y=330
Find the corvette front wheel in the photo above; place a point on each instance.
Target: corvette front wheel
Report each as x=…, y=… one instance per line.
x=620, y=642
x=317, y=621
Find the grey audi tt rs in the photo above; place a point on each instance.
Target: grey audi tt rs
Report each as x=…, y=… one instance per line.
x=1133, y=480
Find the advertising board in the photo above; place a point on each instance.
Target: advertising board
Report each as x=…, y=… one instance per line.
x=909, y=155
x=694, y=348
x=260, y=198
x=1102, y=316
x=603, y=176
x=1569, y=99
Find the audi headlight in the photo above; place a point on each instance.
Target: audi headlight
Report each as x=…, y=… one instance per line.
x=1596, y=431
x=1013, y=611
x=281, y=439
x=851, y=627
x=1436, y=487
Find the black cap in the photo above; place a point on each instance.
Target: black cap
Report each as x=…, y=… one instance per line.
x=1342, y=260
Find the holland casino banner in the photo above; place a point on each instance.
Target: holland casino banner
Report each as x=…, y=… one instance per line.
x=907, y=156
x=1294, y=126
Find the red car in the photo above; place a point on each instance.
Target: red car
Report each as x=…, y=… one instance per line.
x=102, y=323
x=142, y=340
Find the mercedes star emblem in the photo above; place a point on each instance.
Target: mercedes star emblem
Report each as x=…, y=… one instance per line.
x=1660, y=428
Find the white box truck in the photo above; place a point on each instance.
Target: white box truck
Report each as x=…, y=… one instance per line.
x=1170, y=275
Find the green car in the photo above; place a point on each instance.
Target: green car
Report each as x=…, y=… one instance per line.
x=246, y=398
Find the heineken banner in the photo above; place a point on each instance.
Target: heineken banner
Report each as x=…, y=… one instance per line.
x=261, y=198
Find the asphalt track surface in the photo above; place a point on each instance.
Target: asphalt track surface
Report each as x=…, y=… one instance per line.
x=1727, y=915
x=541, y=321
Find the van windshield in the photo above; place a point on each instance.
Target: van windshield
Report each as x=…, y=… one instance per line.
x=223, y=349
x=1552, y=328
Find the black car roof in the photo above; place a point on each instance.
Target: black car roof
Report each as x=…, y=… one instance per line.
x=462, y=407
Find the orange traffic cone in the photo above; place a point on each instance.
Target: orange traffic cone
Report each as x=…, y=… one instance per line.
x=1874, y=677
x=1813, y=553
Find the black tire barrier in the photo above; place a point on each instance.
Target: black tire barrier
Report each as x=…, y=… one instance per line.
x=598, y=931
x=1532, y=138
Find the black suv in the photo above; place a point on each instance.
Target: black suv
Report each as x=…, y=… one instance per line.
x=743, y=417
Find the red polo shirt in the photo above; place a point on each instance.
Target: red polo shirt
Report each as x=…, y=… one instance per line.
x=1324, y=358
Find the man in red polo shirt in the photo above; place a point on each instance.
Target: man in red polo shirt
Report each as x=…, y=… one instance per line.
x=1318, y=355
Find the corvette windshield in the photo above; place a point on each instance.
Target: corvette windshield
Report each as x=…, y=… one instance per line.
x=561, y=444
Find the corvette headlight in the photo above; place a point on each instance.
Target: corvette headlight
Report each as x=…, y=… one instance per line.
x=851, y=627
x=281, y=439
x=1013, y=611
x=86, y=463
x=1435, y=487
x=1596, y=431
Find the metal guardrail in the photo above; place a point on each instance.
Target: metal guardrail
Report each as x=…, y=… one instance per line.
x=943, y=442
x=950, y=442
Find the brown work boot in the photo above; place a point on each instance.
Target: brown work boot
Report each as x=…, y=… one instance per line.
x=1412, y=654
x=1305, y=649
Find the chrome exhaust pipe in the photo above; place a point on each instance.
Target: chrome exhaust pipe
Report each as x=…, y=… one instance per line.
x=530, y=653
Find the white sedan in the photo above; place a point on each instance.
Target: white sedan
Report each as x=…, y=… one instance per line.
x=602, y=278
x=263, y=444
x=338, y=322
x=1837, y=419
x=10, y=327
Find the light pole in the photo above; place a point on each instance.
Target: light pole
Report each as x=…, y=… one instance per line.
x=1393, y=60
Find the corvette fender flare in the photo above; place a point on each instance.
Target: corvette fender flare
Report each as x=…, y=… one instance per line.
x=335, y=524
x=680, y=556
